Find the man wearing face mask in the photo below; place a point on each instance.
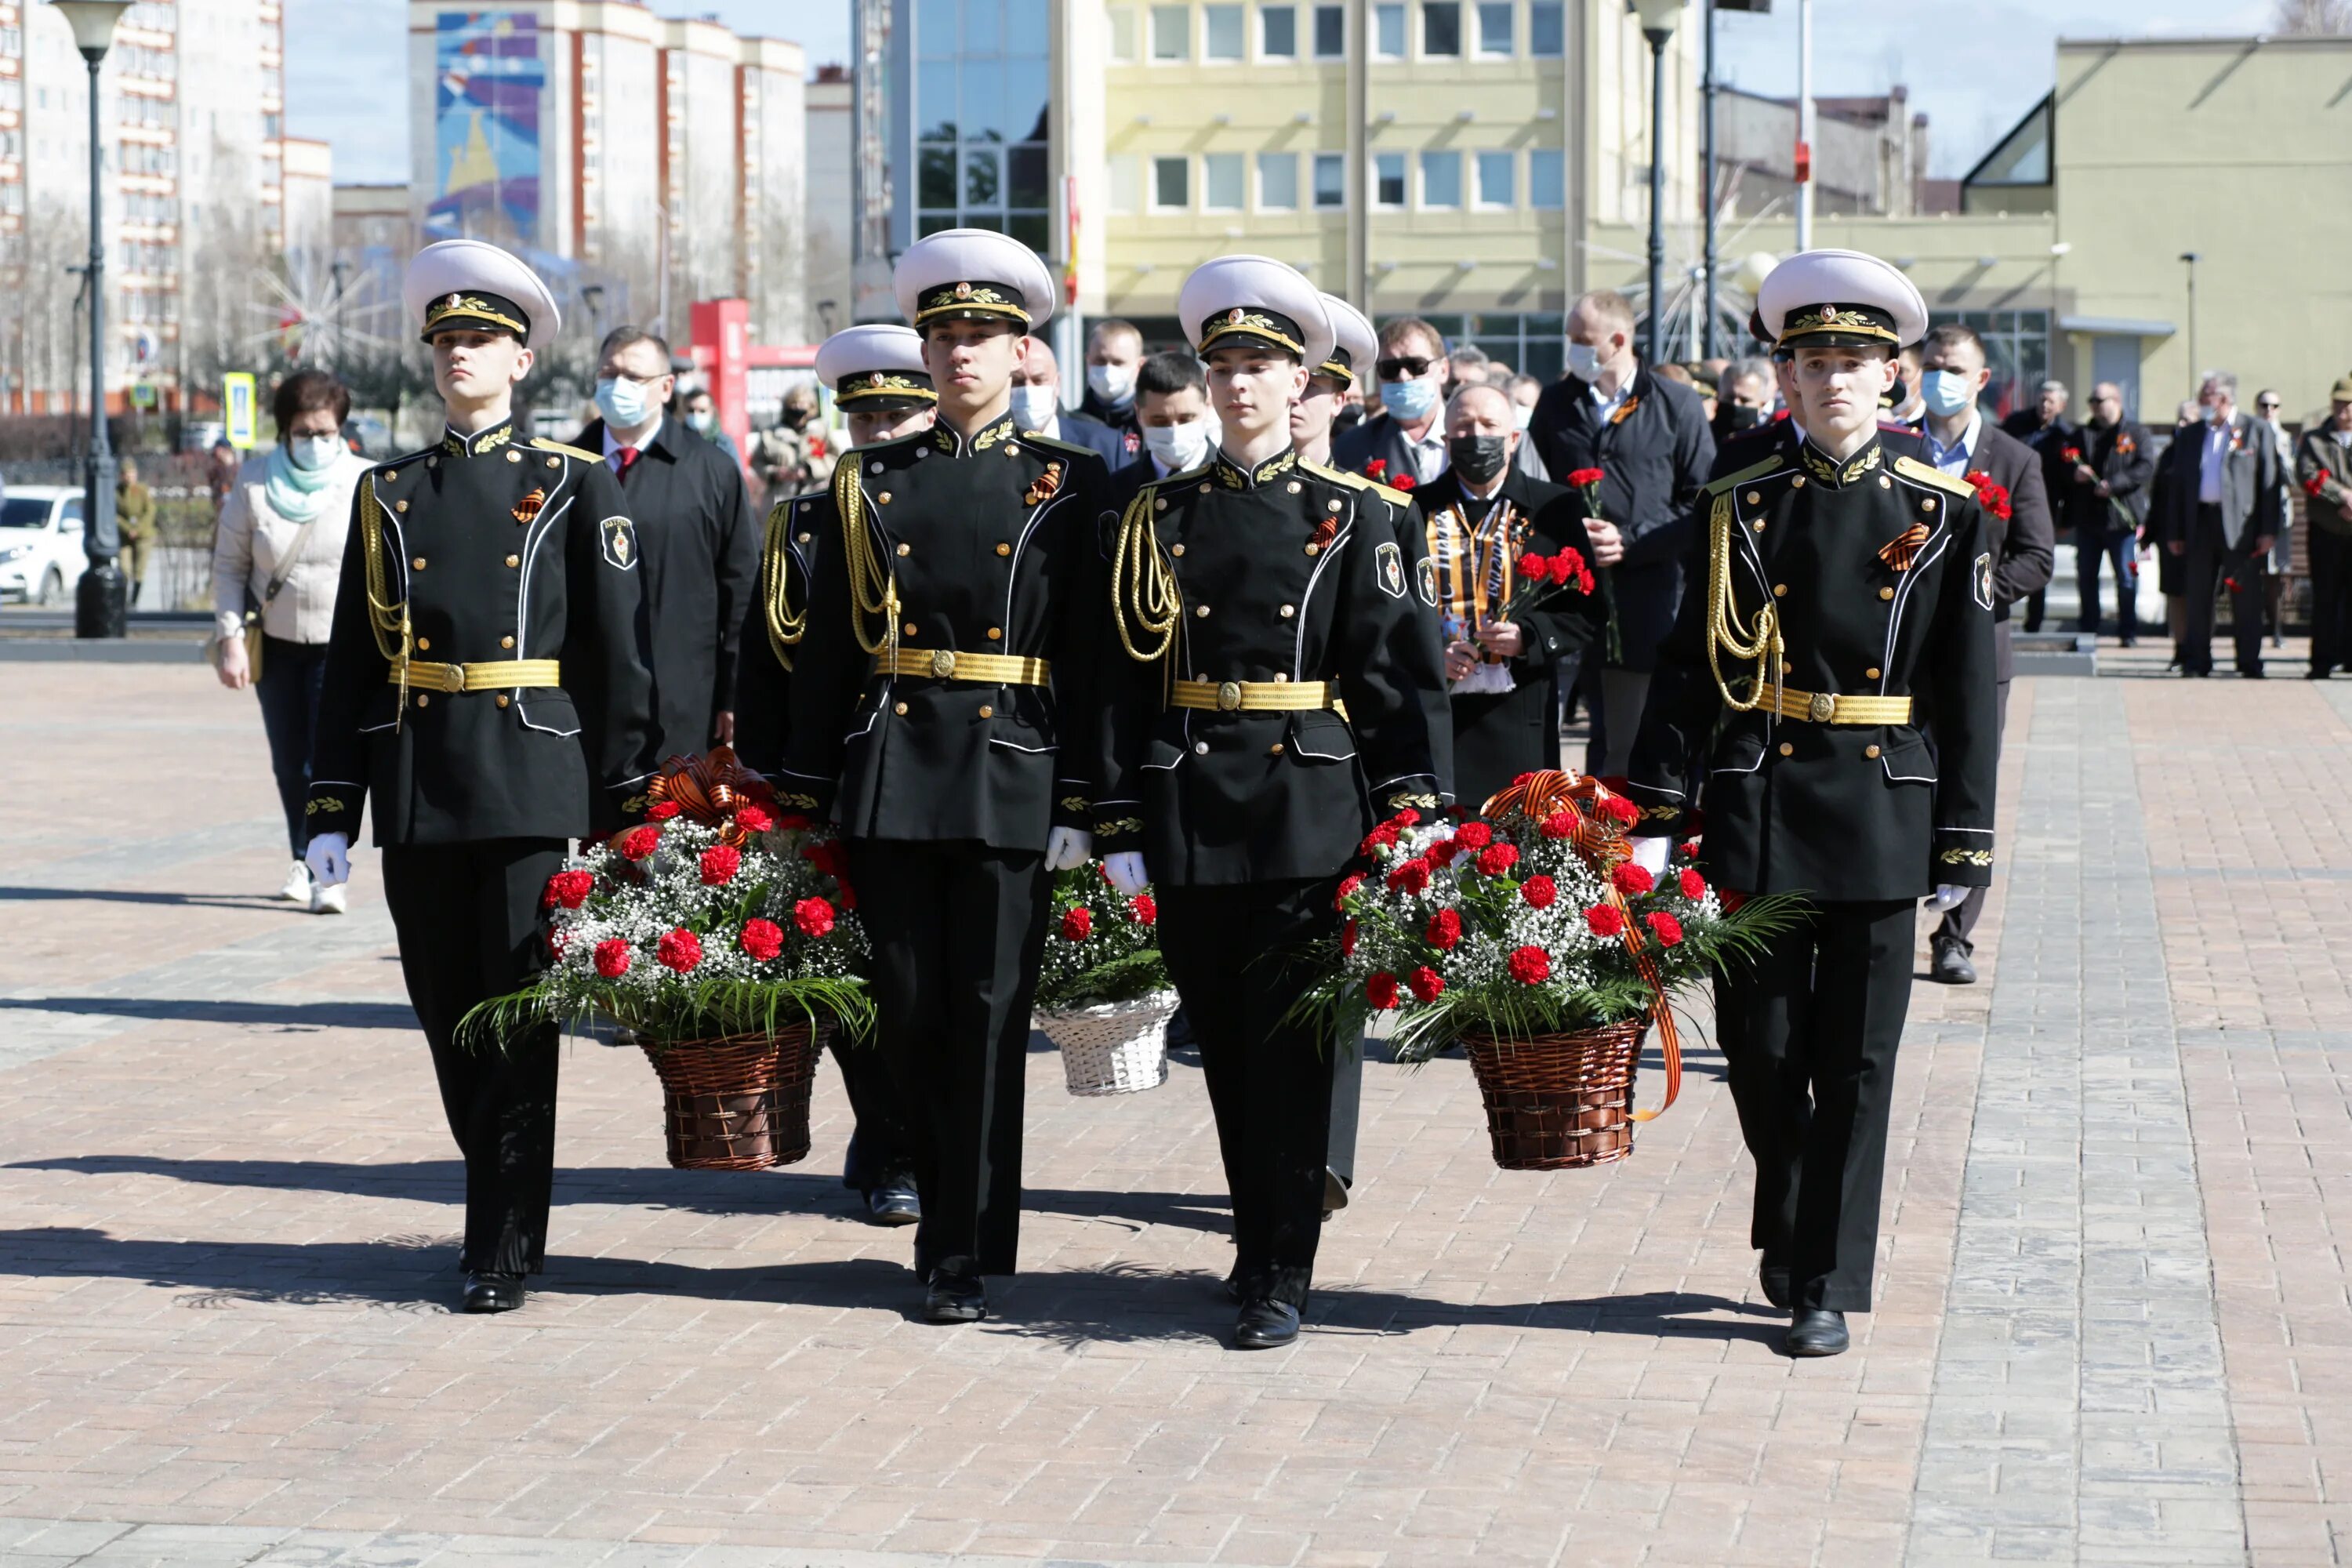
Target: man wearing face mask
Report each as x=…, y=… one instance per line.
x=1037, y=408
x=1402, y=442
x=1649, y=437
x=1171, y=409
x=2225, y=511
x=700, y=539
x=1747, y=401
x=1524, y=390
x=701, y=412
x=1114, y=359
x=789, y=456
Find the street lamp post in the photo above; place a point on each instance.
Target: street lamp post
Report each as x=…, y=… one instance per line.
x=2196, y=372
x=1657, y=17
x=100, y=599
x=1706, y=163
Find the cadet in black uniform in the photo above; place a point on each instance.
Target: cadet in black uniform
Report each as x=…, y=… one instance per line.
x=881, y=385
x=953, y=622
x=1832, y=666
x=1251, y=598
x=485, y=681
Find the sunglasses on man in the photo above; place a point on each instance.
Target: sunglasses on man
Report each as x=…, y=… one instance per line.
x=1403, y=369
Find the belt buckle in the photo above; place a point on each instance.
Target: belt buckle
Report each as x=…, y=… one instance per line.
x=942, y=665
x=1229, y=697
x=1819, y=709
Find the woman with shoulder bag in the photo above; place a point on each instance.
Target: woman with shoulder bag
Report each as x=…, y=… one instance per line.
x=276, y=558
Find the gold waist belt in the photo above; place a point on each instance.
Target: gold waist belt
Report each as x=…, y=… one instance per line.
x=498, y=675
x=1822, y=707
x=988, y=668
x=1256, y=695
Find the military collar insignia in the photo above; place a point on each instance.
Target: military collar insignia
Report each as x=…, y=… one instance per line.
x=490, y=440
x=1235, y=477
x=1001, y=428
x=946, y=438
x=1828, y=470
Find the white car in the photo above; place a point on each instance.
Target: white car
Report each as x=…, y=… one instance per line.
x=41, y=555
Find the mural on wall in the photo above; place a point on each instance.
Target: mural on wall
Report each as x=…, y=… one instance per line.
x=489, y=78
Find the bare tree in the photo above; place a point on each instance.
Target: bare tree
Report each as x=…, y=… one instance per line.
x=2313, y=17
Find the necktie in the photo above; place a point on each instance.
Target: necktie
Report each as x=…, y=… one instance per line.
x=626, y=457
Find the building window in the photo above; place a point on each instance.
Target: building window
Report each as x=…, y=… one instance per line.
x=979, y=90
x=1171, y=184
x=1495, y=29
x=1331, y=32
x=1495, y=179
x=1546, y=187
x=1388, y=179
x=1440, y=28
x=1330, y=179
x=1221, y=182
x=1277, y=32
x=1221, y=31
x=1123, y=178
x=1278, y=182
x=1122, y=33
x=1544, y=29
x=1387, y=32
x=1441, y=179
x=1169, y=24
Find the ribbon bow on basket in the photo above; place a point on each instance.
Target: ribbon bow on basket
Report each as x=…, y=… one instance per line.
x=711, y=790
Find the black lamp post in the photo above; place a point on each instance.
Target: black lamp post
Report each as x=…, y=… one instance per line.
x=1658, y=26
x=101, y=599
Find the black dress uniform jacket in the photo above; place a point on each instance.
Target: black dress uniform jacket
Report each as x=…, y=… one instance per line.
x=1881, y=572
x=1499, y=735
x=1289, y=571
x=701, y=546
x=988, y=538
x=494, y=549
x=763, y=667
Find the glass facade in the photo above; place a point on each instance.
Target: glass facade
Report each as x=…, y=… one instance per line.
x=979, y=112
x=1531, y=343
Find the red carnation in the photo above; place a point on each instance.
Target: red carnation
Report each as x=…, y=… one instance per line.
x=1993, y=497
x=1558, y=824
x=843, y=894
x=1077, y=925
x=1690, y=848
x=1580, y=478
x=1408, y=817
x=1348, y=938
x=661, y=811
x=793, y=822
x=719, y=864
x=1427, y=984
x=1412, y=877
x=638, y=843
x=1377, y=466
x=829, y=857
x=1444, y=929
x=1498, y=858
x=1669, y=930
x=1533, y=567
x=1379, y=837
x=1347, y=885
x=1473, y=836
x=1623, y=810
x=1144, y=911
x=2315, y=485
x=761, y=939
x=813, y=916
x=1693, y=885
x=1530, y=965
x=679, y=950
x=1539, y=892
x=1443, y=852
x=1403, y=482
x=1606, y=920
x=1631, y=879
x=1568, y=566
x=754, y=819
x=1380, y=990
x=569, y=889
x=2071, y=454
x=612, y=958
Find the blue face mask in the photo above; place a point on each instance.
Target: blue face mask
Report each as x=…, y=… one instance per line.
x=1945, y=392
x=1410, y=401
x=623, y=402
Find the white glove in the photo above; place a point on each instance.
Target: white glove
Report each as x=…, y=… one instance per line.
x=1127, y=873
x=1651, y=853
x=1068, y=846
x=330, y=858
x=1945, y=896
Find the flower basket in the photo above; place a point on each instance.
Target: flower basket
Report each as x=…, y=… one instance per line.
x=1558, y=1102
x=1103, y=996
x=1112, y=1048
x=738, y=1103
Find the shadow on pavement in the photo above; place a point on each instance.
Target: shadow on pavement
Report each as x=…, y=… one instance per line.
x=120, y=896
x=212, y=1010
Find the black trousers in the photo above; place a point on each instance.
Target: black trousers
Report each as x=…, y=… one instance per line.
x=293, y=675
x=1809, y=1028
x=1958, y=928
x=1347, y=1111
x=2094, y=548
x=877, y=1156
x=468, y=920
x=1238, y=956
x=957, y=929
x=2213, y=563
x=2330, y=556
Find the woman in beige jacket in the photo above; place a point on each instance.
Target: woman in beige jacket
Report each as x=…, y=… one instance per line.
x=284, y=522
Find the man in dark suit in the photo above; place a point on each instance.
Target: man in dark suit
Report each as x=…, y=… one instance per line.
x=2322, y=470
x=2225, y=517
x=2045, y=428
x=1114, y=360
x=2105, y=501
x=700, y=539
x=1171, y=412
x=1037, y=409
x=1956, y=439
x=1401, y=443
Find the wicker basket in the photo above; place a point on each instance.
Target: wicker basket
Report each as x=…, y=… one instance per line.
x=1560, y=1103
x=738, y=1102
x=1117, y=1047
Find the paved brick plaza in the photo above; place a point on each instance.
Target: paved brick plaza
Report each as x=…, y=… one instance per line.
x=2113, y=1324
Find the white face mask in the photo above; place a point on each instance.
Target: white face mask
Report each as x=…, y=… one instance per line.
x=1945, y=392
x=1523, y=415
x=312, y=453
x=1114, y=383
x=1583, y=361
x=1033, y=406
x=1180, y=449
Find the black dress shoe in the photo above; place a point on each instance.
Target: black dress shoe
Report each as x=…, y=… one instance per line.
x=1816, y=1331
x=955, y=1294
x=1230, y=1287
x=1774, y=1279
x=893, y=1205
x=492, y=1292
x=1951, y=967
x=1265, y=1324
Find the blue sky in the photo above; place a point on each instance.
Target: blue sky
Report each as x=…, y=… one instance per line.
x=1973, y=66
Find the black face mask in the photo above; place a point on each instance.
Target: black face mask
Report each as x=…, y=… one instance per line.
x=1733, y=417
x=1350, y=415
x=1478, y=458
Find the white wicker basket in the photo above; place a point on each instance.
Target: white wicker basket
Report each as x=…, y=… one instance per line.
x=1117, y=1047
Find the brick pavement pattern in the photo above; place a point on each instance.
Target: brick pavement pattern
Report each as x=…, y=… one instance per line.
x=228, y=1202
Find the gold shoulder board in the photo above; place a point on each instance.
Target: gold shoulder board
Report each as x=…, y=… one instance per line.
x=1395, y=498
x=1920, y=473
x=1778, y=460
x=544, y=445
